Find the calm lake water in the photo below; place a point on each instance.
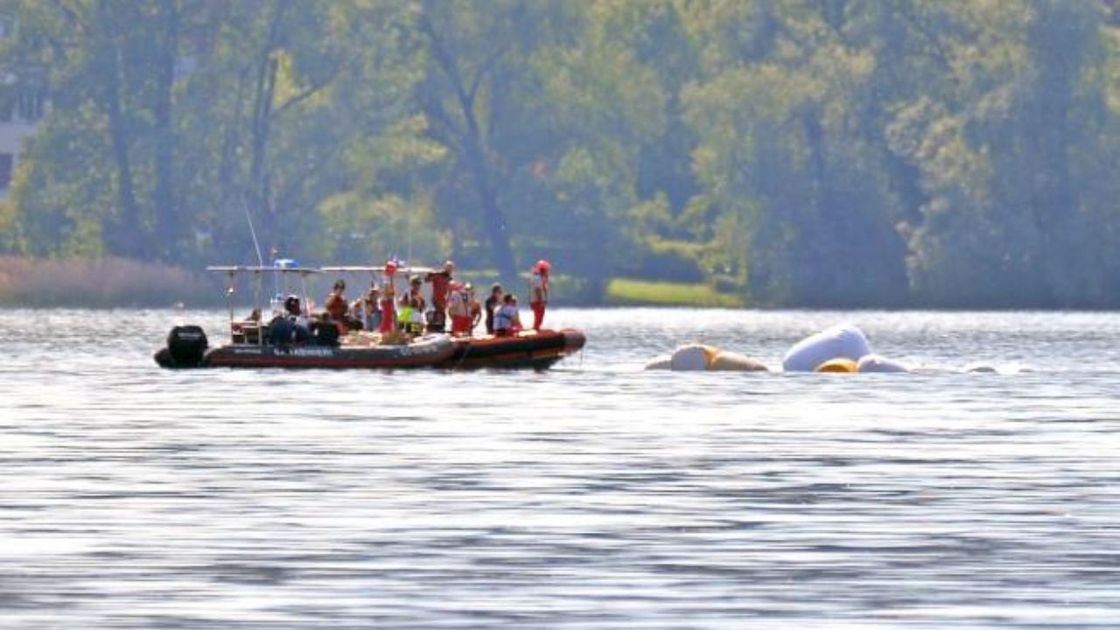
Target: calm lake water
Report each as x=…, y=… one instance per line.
x=593, y=495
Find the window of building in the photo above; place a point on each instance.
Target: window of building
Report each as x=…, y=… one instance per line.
x=29, y=106
x=7, y=104
x=6, y=162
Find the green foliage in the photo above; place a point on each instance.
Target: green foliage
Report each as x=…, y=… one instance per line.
x=801, y=152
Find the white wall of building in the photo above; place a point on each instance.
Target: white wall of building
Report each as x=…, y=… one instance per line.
x=18, y=122
x=12, y=135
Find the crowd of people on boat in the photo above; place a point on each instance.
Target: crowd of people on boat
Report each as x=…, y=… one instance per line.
x=380, y=310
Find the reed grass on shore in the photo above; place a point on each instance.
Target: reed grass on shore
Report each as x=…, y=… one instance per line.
x=119, y=282
x=623, y=291
x=101, y=283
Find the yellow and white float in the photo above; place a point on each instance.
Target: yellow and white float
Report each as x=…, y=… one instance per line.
x=703, y=358
x=839, y=366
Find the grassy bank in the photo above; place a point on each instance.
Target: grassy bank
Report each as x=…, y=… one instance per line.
x=622, y=291
x=103, y=283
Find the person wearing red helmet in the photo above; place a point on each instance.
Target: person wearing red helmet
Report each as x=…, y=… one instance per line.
x=538, y=292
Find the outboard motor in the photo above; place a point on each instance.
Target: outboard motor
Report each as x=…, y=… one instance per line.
x=186, y=346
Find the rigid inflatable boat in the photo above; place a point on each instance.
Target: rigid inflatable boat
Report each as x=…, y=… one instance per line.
x=296, y=338
x=537, y=350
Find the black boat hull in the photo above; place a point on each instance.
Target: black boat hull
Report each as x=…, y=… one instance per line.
x=431, y=352
x=529, y=350
x=187, y=348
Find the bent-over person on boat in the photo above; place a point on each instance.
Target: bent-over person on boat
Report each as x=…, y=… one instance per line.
x=291, y=325
x=507, y=321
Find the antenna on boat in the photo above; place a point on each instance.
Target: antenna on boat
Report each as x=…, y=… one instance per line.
x=252, y=232
x=408, y=234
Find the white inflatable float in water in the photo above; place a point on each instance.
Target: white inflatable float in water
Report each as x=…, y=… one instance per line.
x=842, y=349
x=879, y=363
x=701, y=358
x=837, y=342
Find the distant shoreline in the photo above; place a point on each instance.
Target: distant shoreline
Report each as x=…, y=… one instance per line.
x=112, y=283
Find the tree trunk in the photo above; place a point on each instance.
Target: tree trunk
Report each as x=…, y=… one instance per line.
x=493, y=219
x=258, y=177
x=267, y=67
x=167, y=219
x=126, y=235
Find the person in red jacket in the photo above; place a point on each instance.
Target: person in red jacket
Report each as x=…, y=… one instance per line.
x=441, y=292
x=538, y=286
x=337, y=307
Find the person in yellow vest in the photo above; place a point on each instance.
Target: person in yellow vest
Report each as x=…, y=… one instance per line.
x=411, y=316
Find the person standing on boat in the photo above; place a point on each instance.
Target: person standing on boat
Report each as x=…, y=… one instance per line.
x=538, y=287
x=337, y=306
x=411, y=315
x=388, y=296
x=441, y=292
x=507, y=321
x=493, y=303
x=474, y=307
x=459, y=309
x=370, y=313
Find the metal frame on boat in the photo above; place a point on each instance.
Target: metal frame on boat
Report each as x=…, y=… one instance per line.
x=252, y=345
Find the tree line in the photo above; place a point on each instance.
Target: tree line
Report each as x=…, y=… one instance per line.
x=796, y=152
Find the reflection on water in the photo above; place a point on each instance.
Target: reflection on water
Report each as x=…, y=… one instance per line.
x=592, y=495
